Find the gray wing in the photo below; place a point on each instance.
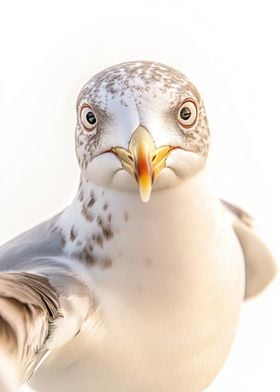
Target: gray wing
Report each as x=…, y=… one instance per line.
x=29, y=306
x=40, y=296
x=260, y=265
x=34, y=309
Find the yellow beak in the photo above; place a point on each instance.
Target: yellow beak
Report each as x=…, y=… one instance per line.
x=143, y=160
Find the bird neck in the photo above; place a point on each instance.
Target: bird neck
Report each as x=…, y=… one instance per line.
x=92, y=200
x=115, y=237
x=98, y=214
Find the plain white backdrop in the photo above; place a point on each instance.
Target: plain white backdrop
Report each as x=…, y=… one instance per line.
x=230, y=50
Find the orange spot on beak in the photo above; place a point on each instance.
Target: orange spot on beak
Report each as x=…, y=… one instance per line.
x=144, y=172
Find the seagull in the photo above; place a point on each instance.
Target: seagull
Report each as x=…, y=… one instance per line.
x=137, y=285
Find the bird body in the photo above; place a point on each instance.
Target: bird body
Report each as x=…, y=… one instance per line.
x=162, y=308
x=149, y=288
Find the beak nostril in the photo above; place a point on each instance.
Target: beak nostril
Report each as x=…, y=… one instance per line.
x=153, y=158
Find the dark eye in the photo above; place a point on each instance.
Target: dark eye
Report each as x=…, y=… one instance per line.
x=187, y=114
x=88, y=118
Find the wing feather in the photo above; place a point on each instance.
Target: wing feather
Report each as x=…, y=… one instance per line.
x=260, y=265
x=38, y=312
x=29, y=305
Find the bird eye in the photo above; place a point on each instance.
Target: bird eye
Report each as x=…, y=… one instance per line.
x=187, y=114
x=88, y=118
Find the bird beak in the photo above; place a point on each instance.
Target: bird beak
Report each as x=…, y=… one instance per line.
x=143, y=160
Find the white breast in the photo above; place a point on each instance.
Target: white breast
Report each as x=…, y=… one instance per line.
x=169, y=304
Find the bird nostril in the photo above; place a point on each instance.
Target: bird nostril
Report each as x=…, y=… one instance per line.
x=154, y=157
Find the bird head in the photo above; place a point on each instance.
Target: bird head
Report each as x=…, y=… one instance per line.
x=141, y=127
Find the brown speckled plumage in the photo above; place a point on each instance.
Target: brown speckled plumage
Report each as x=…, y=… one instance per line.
x=73, y=234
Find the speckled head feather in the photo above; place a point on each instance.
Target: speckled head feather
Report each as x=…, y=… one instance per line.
x=140, y=77
x=138, y=91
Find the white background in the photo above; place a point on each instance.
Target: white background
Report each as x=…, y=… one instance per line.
x=231, y=52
